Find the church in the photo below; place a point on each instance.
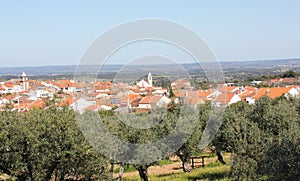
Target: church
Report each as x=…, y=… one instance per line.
x=144, y=84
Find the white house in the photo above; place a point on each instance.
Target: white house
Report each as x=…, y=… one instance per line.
x=227, y=99
x=80, y=104
x=150, y=102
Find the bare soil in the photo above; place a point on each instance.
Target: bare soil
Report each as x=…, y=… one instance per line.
x=171, y=168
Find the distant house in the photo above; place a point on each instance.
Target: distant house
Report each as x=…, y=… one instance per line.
x=150, y=102
x=67, y=86
x=181, y=84
x=226, y=99
x=25, y=106
x=78, y=104
x=130, y=100
x=256, y=82
x=228, y=89
x=3, y=102
x=97, y=107
x=194, y=101
x=7, y=87
x=2, y=89
x=274, y=92
x=40, y=92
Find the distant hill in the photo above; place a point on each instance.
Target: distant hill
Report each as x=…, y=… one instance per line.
x=293, y=64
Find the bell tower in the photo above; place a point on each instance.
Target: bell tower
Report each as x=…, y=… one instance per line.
x=150, y=79
x=24, y=82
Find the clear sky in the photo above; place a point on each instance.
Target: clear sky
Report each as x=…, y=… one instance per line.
x=34, y=33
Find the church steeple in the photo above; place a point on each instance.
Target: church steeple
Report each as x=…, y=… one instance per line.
x=150, y=79
x=24, y=82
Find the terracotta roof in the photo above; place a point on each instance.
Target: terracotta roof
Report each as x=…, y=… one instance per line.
x=194, y=100
x=68, y=101
x=131, y=98
x=36, y=104
x=149, y=88
x=136, y=90
x=27, y=105
x=91, y=108
x=248, y=91
x=224, y=98
x=227, y=89
x=103, y=85
x=65, y=83
x=202, y=93
x=272, y=92
x=150, y=99
x=274, y=80
x=9, y=85
x=180, y=93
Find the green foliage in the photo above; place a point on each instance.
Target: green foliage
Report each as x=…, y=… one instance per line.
x=263, y=139
x=257, y=135
x=171, y=93
x=42, y=144
x=127, y=168
x=282, y=161
x=244, y=138
x=289, y=74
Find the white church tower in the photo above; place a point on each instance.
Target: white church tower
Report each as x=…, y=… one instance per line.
x=24, y=82
x=150, y=79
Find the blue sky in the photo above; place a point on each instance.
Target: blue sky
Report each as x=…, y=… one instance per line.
x=35, y=33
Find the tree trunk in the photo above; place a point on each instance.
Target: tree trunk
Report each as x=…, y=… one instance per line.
x=21, y=177
x=121, y=172
x=220, y=157
x=143, y=172
x=186, y=165
x=111, y=170
x=50, y=170
x=185, y=159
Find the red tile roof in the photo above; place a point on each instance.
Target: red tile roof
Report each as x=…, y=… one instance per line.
x=224, y=98
x=272, y=92
x=68, y=101
x=150, y=100
x=202, y=93
x=227, y=89
x=131, y=98
x=194, y=100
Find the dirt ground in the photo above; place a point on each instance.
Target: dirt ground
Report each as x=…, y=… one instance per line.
x=170, y=168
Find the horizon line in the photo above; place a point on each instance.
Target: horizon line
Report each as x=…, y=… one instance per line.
x=120, y=64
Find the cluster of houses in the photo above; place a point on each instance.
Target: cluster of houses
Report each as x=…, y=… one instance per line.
x=24, y=94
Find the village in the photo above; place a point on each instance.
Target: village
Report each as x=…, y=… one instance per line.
x=24, y=94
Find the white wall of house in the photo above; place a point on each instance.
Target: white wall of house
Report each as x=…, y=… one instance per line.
x=43, y=93
x=163, y=101
x=104, y=107
x=13, y=89
x=3, y=101
x=250, y=100
x=234, y=99
x=81, y=104
x=147, y=106
x=292, y=93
